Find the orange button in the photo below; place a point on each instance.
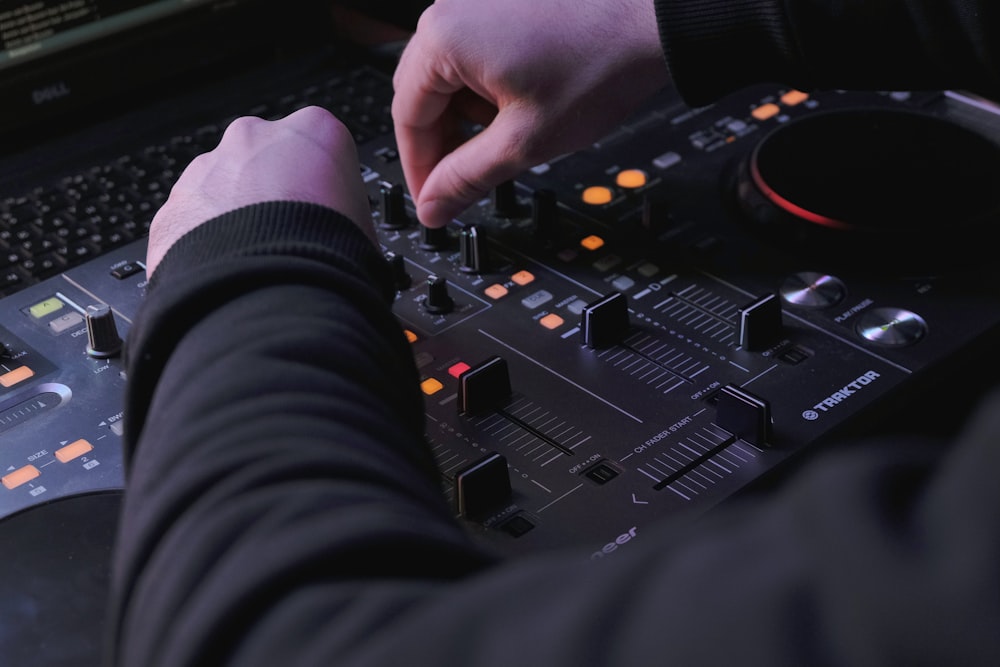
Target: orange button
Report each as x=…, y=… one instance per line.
x=15, y=479
x=592, y=242
x=596, y=195
x=765, y=111
x=793, y=97
x=631, y=178
x=431, y=386
x=523, y=277
x=551, y=321
x=73, y=450
x=496, y=291
x=19, y=374
x=410, y=336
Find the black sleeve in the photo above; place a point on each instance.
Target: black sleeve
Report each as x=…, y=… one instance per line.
x=281, y=507
x=273, y=438
x=717, y=46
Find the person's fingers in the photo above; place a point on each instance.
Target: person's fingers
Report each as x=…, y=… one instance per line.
x=425, y=127
x=466, y=174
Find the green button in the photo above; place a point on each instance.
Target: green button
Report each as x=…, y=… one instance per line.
x=47, y=307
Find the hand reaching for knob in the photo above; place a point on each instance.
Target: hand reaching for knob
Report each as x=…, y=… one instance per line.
x=539, y=92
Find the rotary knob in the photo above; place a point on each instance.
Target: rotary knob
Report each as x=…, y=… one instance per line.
x=505, y=203
x=544, y=214
x=433, y=238
x=438, y=301
x=103, y=340
x=394, y=214
x=400, y=277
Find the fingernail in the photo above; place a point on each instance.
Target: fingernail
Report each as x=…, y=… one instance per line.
x=437, y=213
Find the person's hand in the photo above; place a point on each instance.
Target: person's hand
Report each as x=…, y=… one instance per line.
x=307, y=156
x=546, y=78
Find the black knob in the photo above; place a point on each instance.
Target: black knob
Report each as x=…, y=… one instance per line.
x=544, y=213
x=505, y=204
x=760, y=323
x=472, y=244
x=394, y=215
x=438, y=301
x=605, y=322
x=433, y=238
x=656, y=215
x=400, y=278
x=103, y=340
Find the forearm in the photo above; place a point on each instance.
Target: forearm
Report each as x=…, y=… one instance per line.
x=719, y=46
x=281, y=448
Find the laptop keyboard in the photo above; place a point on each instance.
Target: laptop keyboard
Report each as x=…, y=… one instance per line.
x=57, y=226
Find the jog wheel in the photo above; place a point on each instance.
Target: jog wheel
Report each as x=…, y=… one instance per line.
x=877, y=190
x=55, y=577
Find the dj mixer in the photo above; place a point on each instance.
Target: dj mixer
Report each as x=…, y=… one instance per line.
x=626, y=335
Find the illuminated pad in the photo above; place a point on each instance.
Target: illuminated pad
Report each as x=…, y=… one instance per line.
x=631, y=178
x=551, y=321
x=47, y=307
x=496, y=291
x=431, y=386
x=457, y=369
x=73, y=450
x=19, y=374
x=592, y=242
x=765, y=111
x=596, y=195
x=793, y=97
x=410, y=336
x=12, y=480
x=523, y=277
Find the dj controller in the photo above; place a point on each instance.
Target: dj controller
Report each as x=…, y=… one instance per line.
x=629, y=334
x=642, y=329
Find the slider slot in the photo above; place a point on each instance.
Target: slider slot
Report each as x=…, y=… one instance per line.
x=673, y=477
x=657, y=364
x=538, y=434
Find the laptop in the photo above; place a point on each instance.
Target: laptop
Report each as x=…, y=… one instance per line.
x=102, y=104
x=87, y=85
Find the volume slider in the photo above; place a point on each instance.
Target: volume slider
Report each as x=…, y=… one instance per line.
x=605, y=322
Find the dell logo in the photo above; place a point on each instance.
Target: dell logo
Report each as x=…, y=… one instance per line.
x=50, y=92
